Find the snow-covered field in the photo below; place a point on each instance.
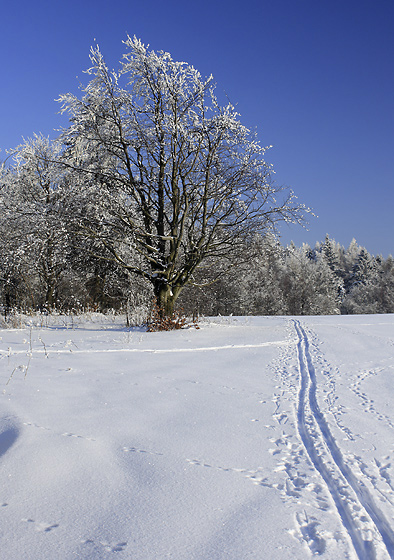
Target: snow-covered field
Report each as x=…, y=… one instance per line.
x=260, y=438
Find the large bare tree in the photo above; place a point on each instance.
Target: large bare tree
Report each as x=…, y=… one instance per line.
x=164, y=176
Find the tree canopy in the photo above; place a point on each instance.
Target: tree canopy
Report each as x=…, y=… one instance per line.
x=164, y=177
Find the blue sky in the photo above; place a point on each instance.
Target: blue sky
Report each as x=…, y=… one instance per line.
x=315, y=77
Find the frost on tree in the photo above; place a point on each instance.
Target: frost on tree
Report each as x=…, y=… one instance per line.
x=166, y=177
x=34, y=237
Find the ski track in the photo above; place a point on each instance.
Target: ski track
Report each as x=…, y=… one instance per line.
x=339, y=479
x=47, y=352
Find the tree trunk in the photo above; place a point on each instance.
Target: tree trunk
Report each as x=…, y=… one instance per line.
x=166, y=297
x=50, y=295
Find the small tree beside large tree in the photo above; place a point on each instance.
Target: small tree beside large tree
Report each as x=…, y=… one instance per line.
x=164, y=177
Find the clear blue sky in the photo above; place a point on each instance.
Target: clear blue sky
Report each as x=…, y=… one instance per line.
x=315, y=77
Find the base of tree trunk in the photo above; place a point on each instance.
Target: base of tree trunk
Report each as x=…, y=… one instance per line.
x=160, y=320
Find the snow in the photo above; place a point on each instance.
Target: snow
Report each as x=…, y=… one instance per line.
x=248, y=438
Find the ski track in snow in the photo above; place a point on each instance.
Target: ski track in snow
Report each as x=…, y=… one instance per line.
x=48, y=351
x=348, y=492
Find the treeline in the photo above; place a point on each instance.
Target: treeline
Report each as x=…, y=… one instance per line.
x=48, y=262
x=46, y=265
x=324, y=280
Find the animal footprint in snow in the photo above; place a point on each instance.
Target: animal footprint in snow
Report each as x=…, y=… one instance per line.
x=114, y=547
x=274, y=451
x=283, y=440
x=321, y=499
x=69, y=434
x=308, y=527
x=66, y=434
x=136, y=450
x=281, y=417
x=32, y=424
x=42, y=526
x=108, y=546
x=383, y=468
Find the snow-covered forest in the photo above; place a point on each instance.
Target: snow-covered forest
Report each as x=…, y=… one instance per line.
x=327, y=279
x=44, y=268
x=48, y=264
x=157, y=191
